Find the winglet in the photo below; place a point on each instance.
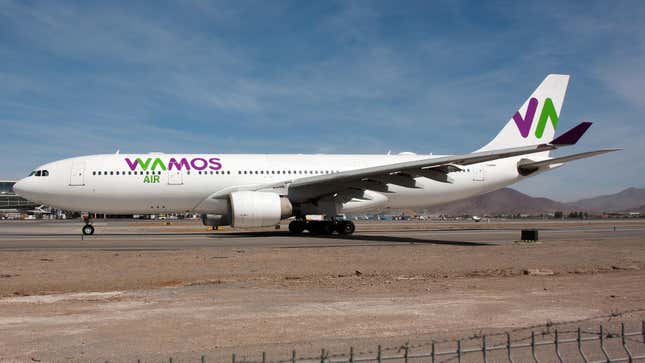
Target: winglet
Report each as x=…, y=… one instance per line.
x=572, y=136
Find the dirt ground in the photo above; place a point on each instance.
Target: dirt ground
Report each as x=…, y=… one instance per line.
x=386, y=288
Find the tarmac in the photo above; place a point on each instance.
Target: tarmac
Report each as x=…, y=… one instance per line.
x=152, y=290
x=114, y=235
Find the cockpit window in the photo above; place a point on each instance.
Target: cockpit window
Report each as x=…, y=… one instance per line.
x=39, y=172
x=45, y=173
x=32, y=173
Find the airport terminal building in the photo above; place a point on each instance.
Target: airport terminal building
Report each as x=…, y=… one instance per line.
x=9, y=201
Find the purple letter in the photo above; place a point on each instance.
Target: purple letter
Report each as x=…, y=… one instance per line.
x=132, y=164
x=178, y=165
x=203, y=161
x=215, y=164
x=524, y=124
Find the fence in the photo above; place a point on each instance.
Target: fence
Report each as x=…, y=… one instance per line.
x=549, y=345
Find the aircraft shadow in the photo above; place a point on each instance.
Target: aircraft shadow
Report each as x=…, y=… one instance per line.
x=353, y=237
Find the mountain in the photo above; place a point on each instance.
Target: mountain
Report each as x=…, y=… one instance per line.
x=510, y=201
x=626, y=200
x=503, y=201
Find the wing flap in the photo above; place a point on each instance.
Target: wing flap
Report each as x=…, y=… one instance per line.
x=526, y=166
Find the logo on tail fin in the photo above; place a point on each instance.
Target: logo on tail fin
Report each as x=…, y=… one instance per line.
x=524, y=123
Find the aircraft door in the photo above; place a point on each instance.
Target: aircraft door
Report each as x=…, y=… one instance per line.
x=77, y=174
x=175, y=177
x=479, y=174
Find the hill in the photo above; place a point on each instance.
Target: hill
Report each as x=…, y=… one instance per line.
x=626, y=200
x=503, y=201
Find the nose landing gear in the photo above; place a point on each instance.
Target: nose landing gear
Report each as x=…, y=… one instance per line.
x=87, y=229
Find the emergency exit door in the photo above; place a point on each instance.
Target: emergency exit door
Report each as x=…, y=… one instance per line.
x=175, y=177
x=77, y=174
x=479, y=174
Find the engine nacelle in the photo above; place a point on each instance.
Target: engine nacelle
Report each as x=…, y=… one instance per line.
x=258, y=209
x=216, y=220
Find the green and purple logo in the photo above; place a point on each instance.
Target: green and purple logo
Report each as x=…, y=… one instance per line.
x=197, y=163
x=548, y=113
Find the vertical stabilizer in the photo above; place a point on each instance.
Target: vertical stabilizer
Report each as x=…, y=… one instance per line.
x=536, y=121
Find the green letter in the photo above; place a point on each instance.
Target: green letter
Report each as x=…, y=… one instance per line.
x=548, y=111
x=144, y=166
x=160, y=163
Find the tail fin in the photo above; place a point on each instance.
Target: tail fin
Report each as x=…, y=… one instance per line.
x=535, y=122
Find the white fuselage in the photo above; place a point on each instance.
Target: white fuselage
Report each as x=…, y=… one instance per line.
x=110, y=184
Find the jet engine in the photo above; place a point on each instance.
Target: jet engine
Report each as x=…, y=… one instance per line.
x=258, y=209
x=216, y=220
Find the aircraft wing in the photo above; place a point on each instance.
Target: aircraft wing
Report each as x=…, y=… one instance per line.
x=376, y=178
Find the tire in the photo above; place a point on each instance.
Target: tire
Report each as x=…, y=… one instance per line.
x=88, y=229
x=346, y=227
x=296, y=227
x=327, y=228
x=313, y=227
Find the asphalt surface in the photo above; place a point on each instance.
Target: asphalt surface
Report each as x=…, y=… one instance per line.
x=42, y=235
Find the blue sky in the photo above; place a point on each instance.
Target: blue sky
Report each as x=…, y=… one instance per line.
x=309, y=77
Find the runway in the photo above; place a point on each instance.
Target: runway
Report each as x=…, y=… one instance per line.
x=119, y=235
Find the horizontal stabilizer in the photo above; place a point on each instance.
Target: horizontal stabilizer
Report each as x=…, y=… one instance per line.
x=526, y=166
x=572, y=136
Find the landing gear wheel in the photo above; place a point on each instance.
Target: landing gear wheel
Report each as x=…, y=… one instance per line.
x=327, y=228
x=88, y=229
x=345, y=227
x=296, y=226
x=320, y=227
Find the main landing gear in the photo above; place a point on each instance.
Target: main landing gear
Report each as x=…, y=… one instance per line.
x=87, y=229
x=322, y=227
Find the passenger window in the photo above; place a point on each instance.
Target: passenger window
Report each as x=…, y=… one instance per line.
x=111, y=173
x=93, y=173
x=117, y=173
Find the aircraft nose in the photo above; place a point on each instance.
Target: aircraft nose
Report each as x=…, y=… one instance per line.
x=21, y=187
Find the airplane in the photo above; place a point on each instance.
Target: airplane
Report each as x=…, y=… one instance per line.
x=260, y=190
